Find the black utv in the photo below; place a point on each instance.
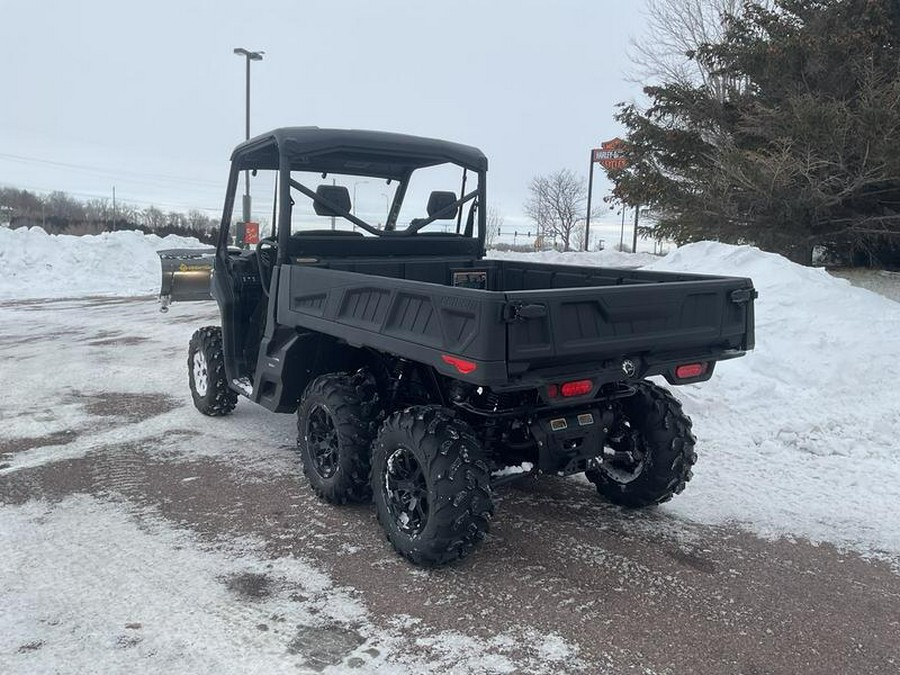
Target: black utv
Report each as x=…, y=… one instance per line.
x=423, y=374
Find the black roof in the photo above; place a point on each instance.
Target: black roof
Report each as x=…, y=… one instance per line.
x=352, y=151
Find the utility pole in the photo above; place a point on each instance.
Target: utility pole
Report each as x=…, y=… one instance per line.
x=250, y=56
x=114, y=207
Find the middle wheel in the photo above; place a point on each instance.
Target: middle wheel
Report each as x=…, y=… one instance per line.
x=430, y=485
x=336, y=422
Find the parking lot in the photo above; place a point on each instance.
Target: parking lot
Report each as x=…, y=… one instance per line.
x=140, y=534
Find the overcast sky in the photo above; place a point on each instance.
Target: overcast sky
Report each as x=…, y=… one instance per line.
x=150, y=98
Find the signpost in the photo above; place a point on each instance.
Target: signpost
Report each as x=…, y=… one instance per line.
x=611, y=156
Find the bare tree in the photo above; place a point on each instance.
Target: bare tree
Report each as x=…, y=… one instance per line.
x=153, y=218
x=199, y=221
x=675, y=29
x=176, y=219
x=63, y=206
x=578, y=235
x=97, y=210
x=556, y=204
x=494, y=224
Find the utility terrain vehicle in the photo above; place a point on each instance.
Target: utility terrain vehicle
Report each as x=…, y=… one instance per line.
x=422, y=374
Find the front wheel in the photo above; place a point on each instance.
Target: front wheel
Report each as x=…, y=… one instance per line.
x=649, y=450
x=206, y=373
x=431, y=485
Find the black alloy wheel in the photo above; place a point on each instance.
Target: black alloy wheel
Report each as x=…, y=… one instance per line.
x=323, y=441
x=407, y=491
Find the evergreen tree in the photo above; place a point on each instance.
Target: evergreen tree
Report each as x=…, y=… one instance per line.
x=801, y=151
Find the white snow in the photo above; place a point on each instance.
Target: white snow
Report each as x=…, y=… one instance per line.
x=802, y=436
x=605, y=258
x=799, y=438
x=34, y=264
x=99, y=587
x=143, y=597
x=522, y=468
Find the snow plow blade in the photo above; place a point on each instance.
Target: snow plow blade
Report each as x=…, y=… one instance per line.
x=186, y=275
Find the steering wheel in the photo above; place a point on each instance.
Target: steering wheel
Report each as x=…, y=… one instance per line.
x=265, y=268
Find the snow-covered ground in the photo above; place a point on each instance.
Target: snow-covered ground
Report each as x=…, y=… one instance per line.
x=802, y=436
x=799, y=439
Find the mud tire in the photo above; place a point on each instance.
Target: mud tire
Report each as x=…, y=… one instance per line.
x=662, y=431
x=456, y=485
x=349, y=404
x=206, y=373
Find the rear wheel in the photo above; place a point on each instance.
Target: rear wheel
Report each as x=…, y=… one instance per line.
x=206, y=373
x=336, y=422
x=649, y=451
x=431, y=486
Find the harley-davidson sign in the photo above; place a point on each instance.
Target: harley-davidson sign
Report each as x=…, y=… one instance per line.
x=609, y=155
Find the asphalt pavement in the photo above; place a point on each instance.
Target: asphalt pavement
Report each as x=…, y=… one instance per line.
x=624, y=591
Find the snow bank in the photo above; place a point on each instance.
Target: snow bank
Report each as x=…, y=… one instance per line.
x=802, y=436
x=34, y=264
x=604, y=258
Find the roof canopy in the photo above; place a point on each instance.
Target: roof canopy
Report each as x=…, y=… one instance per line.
x=351, y=151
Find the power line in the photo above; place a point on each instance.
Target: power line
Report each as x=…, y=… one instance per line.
x=119, y=196
x=137, y=176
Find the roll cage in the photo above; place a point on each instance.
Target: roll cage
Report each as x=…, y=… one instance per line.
x=370, y=154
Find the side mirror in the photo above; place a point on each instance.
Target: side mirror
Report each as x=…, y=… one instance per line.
x=438, y=201
x=337, y=195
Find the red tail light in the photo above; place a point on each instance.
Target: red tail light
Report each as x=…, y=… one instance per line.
x=463, y=366
x=552, y=390
x=688, y=370
x=576, y=388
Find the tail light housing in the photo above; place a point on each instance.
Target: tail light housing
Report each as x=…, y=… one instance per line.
x=462, y=366
x=576, y=388
x=688, y=371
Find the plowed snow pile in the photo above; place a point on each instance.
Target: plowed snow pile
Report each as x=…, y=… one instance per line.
x=605, y=258
x=800, y=437
x=34, y=264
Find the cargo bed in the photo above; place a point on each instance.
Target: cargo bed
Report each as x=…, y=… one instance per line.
x=521, y=323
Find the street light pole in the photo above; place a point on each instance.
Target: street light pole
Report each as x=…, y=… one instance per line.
x=387, y=205
x=353, y=206
x=249, y=56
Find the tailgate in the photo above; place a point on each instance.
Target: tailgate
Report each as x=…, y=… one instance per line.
x=563, y=326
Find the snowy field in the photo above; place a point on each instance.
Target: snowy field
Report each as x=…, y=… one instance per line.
x=798, y=442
